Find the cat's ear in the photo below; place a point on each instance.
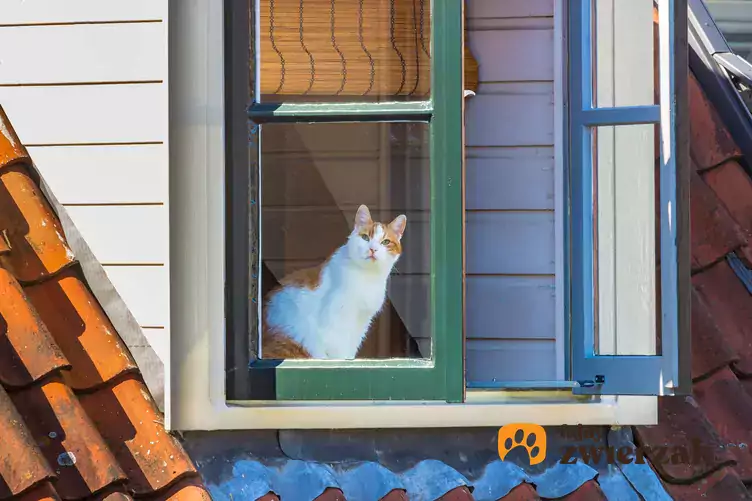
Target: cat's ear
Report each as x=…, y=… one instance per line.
x=398, y=225
x=362, y=217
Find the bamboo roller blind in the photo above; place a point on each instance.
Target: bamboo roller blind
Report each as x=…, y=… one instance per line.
x=376, y=48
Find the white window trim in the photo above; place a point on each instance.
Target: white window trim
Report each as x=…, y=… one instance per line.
x=197, y=183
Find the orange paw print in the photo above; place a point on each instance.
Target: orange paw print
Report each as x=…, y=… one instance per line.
x=530, y=436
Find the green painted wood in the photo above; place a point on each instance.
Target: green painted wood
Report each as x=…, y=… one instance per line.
x=442, y=377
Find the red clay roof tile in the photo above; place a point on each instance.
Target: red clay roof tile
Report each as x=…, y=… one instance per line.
x=709, y=351
x=731, y=307
x=722, y=485
x=68, y=439
x=22, y=464
x=54, y=339
x=27, y=350
x=43, y=492
x=589, y=491
x=188, y=489
x=728, y=407
x=81, y=329
x=396, y=495
x=331, y=494
x=130, y=422
x=523, y=492
x=734, y=188
x=457, y=494
x=681, y=422
x=11, y=149
x=713, y=232
x=38, y=247
x=710, y=142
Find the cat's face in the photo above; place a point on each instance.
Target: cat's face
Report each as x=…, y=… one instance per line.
x=376, y=244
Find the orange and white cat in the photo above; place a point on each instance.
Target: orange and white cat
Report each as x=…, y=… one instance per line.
x=325, y=312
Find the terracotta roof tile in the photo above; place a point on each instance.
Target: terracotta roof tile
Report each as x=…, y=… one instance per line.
x=734, y=188
x=457, y=494
x=75, y=419
x=38, y=247
x=68, y=440
x=523, y=492
x=713, y=232
x=130, y=422
x=27, y=350
x=589, y=491
x=81, y=329
x=710, y=142
x=22, y=464
x=43, y=492
x=709, y=351
x=731, y=306
x=396, y=495
x=681, y=421
x=11, y=149
x=331, y=494
x=729, y=407
x=722, y=485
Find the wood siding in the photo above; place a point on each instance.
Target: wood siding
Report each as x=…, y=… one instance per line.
x=510, y=302
x=85, y=84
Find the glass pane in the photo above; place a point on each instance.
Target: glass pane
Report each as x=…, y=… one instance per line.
x=625, y=53
x=342, y=50
x=626, y=239
x=345, y=240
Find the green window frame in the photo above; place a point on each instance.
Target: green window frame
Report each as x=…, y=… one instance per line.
x=440, y=378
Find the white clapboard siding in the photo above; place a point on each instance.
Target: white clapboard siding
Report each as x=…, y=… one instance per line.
x=87, y=113
x=104, y=174
x=518, y=54
x=509, y=8
x=511, y=114
x=83, y=53
x=131, y=234
x=145, y=290
x=496, y=306
x=510, y=307
x=159, y=339
x=80, y=11
x=510, y=196
x=509, y=178
x=516, y=243
x=503, y=360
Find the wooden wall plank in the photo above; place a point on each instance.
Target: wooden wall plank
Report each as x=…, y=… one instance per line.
x=513, y=55
x=124, y=234
x=509, y=8
x=502, y=360
x=516, y=243
x=78, y=11
x=527, y=110
x=145, y=290
x=510, y=307
x=509, y=178
x=105, y=174
x=83, y=53
x=87, y=113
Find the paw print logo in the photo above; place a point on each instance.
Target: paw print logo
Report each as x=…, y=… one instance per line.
x=530, y=436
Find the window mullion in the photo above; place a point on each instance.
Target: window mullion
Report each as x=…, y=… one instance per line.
x=341, y=112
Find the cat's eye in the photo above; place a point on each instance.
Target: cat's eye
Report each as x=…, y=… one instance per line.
x=386, y=241
x=365, y=237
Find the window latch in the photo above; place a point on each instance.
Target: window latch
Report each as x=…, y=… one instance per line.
x=589, y=383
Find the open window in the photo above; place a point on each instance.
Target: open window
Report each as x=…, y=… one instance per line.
x=354, y=118
x=628, y=244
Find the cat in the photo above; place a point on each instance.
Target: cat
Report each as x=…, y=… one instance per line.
x=325, y=312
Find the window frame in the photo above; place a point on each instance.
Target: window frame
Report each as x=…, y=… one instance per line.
x=668, y=373
x=442, y=376
x=195, y=383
